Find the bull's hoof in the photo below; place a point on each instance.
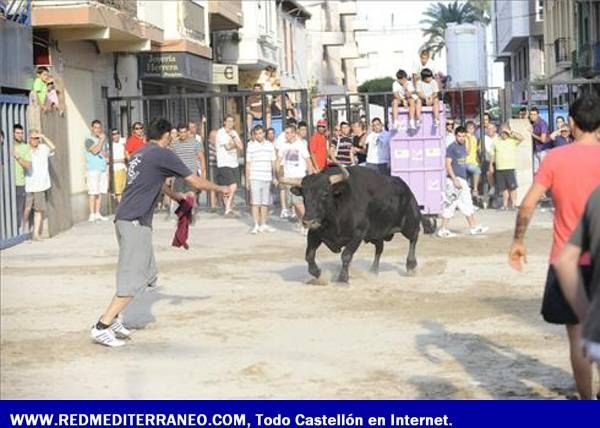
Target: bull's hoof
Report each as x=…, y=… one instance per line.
x=315, y=272
x=342, y=279
x=318, y=281
x=411, y=272
x=374, y=270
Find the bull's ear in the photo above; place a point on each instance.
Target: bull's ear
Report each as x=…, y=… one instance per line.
x=296, y=190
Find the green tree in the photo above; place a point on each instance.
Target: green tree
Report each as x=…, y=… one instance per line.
x=382, y=84
x=439, y=15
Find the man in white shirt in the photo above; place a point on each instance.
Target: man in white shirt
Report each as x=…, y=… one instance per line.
x=405, y=95
x=37, y=180
x=422, y=63
x=119, y=165
x=293, y=158
x=450, y=131
x=260, y=168
x=491, y=135
x=378, y=143
x=428, y=91
x=283, y=197
x=229, y=147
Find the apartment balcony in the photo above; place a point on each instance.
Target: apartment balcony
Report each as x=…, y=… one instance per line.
x=359, y=24
x=225, y=15
x=113, y=24
x=562, y=52
x=347, y=7
x=332, y=38
x=349, y=51
x=17, y=11
x=586, y=61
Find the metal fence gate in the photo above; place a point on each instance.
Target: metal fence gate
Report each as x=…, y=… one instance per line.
x=13, y=110
x=208, y=110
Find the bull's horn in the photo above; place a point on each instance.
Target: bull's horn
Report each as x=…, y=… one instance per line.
x=291, y=182
x=345, y=172
x=338, y=178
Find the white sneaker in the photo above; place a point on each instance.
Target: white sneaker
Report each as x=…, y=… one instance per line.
x=284, y=213
x=92, y=218
x=445, y=233
x=119, y=329
x=398, y=126
x=411, y=124
x=106, y=337
x=266, y=228
x=418, y=123
x=101, y=217
x=255, y=230
x=479, y=230
x=436, y=123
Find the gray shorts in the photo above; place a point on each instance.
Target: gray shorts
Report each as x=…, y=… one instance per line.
x=260, y=192
x=137, y=268
x=293, y=199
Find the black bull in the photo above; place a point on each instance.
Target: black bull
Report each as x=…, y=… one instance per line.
x=345, y=206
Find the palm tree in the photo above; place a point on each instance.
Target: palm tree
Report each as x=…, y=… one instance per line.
x=439, y=15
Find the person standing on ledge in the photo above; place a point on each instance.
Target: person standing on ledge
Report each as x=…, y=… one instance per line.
x=148, y=169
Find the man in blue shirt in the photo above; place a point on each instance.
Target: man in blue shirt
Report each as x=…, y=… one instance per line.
x=458, y=194
x=96, y=155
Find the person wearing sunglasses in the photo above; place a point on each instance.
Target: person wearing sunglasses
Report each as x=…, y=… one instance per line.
x=136, y=140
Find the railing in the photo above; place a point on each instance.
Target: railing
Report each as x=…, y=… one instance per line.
x=562, y=55
x=587, y=61
x=18, y=11
x=128, y=6
x=191, y=20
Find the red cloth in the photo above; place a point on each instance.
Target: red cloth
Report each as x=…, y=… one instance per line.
x=184, y=215
x=133, y=144
x=318, y=148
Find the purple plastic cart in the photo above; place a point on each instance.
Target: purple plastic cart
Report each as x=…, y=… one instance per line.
x=418, y=158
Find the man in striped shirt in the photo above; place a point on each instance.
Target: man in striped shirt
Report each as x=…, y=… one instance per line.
x=191, y=153
x=340, y=149
x=260, y=168
x=212, y=165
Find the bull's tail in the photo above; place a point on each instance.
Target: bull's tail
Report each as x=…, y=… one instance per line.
x=428, y=224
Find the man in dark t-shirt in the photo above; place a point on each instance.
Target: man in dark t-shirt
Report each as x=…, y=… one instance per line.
x=146, y=174
x=585, y=303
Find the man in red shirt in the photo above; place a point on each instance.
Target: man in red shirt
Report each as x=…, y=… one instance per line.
x=136, y=140
x=318, y=146
x=571, y=173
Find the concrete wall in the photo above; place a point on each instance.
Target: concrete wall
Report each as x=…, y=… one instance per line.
x=85, y=72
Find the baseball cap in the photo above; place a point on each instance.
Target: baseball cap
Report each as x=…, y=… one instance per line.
x=322, y=122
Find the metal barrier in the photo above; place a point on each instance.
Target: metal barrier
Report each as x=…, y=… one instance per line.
x=208, y=110
x=12, y=111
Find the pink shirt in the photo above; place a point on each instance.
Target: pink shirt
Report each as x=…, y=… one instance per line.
x=572, y=173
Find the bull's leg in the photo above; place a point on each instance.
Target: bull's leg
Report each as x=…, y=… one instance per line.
x=347, y=255
x=411, y=260
x=312, y=243
x=378, y=251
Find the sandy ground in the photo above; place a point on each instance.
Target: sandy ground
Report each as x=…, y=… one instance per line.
x=234, y=317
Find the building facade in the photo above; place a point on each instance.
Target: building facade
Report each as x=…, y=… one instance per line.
x=117, y=48
x=333, y=49
x=572, y=35
x=519, y=43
